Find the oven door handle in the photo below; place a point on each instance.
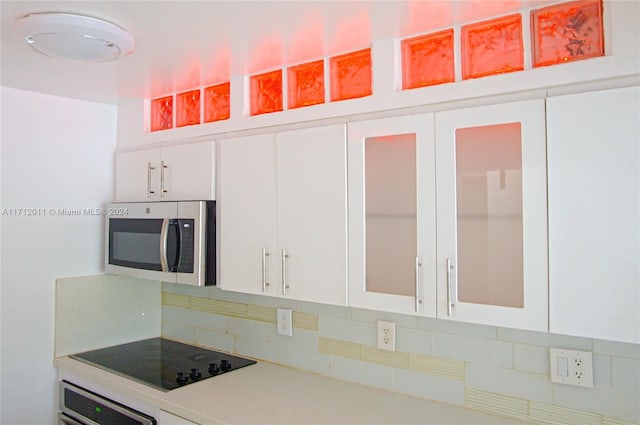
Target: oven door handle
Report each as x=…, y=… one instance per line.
x=164, y=236
x=68, y=420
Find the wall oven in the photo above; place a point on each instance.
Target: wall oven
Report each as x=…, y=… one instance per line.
x=83, y=407
x=166, y=241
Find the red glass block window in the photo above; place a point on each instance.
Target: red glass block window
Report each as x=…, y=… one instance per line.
x=492, y=47
x=427, y=60
x=188, y=108
x=351, y=75
x=162, y=113
x=567, y=32
x=217, y=103
x=266, y=92
x=306, y=84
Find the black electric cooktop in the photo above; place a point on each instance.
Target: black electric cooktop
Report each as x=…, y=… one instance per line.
x=161, y=363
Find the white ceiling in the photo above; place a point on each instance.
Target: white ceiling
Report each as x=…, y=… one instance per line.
x=187, y=44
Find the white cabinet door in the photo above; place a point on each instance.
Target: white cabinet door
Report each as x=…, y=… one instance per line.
x=312, y=214
x=247, y=215
x=189, y=172
x=392, y=235
x=137, y=175
x=594, y=214
x=492, y=215
x=172, y=173
x=282, y=206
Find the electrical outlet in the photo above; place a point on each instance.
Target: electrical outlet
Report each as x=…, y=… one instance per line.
x=386, y=335
x=284, y=322
x=571, y=367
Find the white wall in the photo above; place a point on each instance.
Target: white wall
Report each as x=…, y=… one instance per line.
x=56, y=153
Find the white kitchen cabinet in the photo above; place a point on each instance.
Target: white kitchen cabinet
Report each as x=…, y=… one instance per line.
x=492, y=215
x=392, y=235
x=283, y=217
x=594, y=214
x=247, y=214
x=171, y=173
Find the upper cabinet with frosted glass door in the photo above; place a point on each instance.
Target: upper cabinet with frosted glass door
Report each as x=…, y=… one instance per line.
x=492, y=215
x=392, y=214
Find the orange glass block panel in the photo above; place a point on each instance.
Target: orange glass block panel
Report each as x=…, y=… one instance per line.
x=217, y=102
x=427, y=60
x=492, y=47
x=567, y=32
x=188, y=108
x=266, y=92
x=306, y=84
x=162, y=113
x=351, y=75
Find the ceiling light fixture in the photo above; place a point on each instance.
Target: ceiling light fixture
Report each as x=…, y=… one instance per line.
x=74, y=37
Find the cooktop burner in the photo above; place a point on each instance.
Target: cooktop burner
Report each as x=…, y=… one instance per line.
x=161, y=363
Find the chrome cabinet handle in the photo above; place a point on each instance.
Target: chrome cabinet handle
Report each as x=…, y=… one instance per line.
x=163, y=166
x=149, y=169
x=450, y=303
x=418, y=299
x=285, y=285
x=164, y=236
x=265, y=283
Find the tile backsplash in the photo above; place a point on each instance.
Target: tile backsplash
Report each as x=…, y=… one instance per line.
x=493, y=369
x=99, y=311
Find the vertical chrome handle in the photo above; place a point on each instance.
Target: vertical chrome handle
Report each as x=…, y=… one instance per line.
x=163, y=166
x=265, y=254
x=285, y=285
x=449, y=300
x=164, y=236
x=418, y=299
x=149, y=169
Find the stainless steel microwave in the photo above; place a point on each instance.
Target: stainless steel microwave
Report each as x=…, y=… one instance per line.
x=166, y=241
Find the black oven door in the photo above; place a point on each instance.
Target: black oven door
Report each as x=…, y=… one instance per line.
x=79, y=406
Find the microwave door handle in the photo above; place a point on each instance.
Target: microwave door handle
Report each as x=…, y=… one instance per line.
x=164, y=236
x=176, y=261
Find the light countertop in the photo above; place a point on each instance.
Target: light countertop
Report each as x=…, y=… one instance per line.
x=266, y=393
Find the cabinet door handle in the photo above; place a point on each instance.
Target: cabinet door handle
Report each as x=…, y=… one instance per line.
x=418, y=299
x=450, y=303
x=149, y=169
x=285, y=285
x=163, y=166
x=265, y=283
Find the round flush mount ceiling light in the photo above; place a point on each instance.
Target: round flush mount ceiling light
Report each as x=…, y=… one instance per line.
x=74, y=37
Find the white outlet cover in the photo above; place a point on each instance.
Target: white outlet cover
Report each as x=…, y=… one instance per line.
x=284, y=322
x=386, y=335
x=571, y=367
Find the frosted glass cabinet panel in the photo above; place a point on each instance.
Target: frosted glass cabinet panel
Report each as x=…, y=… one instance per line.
x=491, y=206
x=489, y=214
x=392, y=214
